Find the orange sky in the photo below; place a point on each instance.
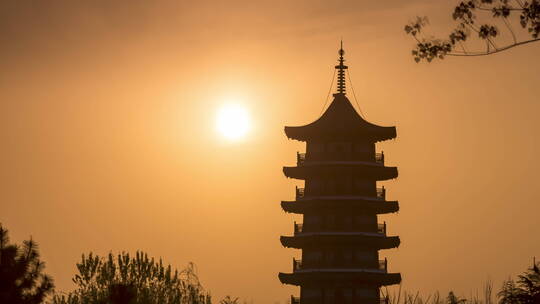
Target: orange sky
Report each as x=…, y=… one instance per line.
x=108, y=143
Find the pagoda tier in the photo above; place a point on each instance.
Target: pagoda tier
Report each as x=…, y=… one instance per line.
x=340, y=205
x=341, y=121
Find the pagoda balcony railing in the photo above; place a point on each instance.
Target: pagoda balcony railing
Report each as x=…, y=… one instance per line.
x=379, y=158
x=295, y=300
x=383, y=265
x=381, y=193
x=298, y=265
x=300, y=193
x=298, y=228
x=301, y=157
x=381, y=228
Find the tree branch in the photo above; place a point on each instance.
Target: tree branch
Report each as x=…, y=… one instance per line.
x=463, y=47
x=466, y=15
x=495, y=51
x=520, y=3
x=510, y=29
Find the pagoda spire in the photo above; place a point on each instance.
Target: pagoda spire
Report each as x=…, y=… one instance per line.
x=341, y=71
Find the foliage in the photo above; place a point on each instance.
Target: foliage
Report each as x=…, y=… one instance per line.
x=525, y=291
x=229, y=300
x=22, y=280
x=133, y=280
x=470, y=22
x=453, y=299
x=405, y=297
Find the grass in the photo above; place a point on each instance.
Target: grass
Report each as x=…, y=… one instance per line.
x=404, y=297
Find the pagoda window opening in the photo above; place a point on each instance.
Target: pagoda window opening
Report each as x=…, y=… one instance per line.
x=329, y=293
x=347, y=257
x=363, y=187
x=339, y=258
x=348, y=220
x=338, y=186
x=340, y=150
x=315, y=147
x=348, y=295
x=343, y=295
x=312, y=219
x=329, y=187
x=339, y=146
x=343, y=222
x=312, y=223
x=353, y=260
x=328, y=257
x=364, y=257
x=363, y=219
x=364, y=147
x=329, y=221
x=313, y=256
x=315, y=186
x=363, y=293
x=343, y=185
x=312, y=294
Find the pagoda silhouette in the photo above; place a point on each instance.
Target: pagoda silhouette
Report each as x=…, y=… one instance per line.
x=340, y=237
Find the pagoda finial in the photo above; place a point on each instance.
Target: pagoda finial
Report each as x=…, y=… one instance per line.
x=341, y=71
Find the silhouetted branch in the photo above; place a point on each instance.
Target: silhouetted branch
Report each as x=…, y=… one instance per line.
x=465, y=14
x=507, y=47
x=510, y=29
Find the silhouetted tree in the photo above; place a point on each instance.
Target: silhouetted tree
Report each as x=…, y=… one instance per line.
x=525, y=291
x=22, y=280
x=480, y=18
x=133, y=280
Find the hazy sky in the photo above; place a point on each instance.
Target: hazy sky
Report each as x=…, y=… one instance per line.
x=107, y=113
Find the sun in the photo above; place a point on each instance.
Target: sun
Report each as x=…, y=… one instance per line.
x=233, y=121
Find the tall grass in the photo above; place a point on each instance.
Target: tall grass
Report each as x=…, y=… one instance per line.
x=405, y=297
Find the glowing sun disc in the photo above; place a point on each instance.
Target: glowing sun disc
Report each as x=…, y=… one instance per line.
x=233, y=122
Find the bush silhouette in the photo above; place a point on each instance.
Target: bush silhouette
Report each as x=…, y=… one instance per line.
x=132, y=280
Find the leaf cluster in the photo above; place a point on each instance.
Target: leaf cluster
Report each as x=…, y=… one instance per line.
x=466, y=13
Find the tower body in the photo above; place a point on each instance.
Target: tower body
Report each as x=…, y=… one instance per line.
x=340, y=236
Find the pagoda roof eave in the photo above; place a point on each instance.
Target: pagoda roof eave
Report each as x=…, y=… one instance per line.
x=338, y=206
x=369, y=171
x=367, y=277
x=368, y=241
x=313, y=132
x=340, y=121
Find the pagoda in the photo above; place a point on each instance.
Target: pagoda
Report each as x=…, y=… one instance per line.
x=340, y=236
